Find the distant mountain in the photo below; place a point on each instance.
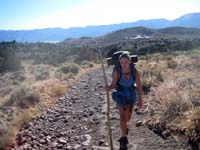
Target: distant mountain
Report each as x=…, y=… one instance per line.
x=58, y=34
x=135, y=33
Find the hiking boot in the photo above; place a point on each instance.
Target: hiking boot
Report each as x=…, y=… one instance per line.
x=123, y=143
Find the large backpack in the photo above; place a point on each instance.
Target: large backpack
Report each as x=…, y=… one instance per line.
x=114, y=60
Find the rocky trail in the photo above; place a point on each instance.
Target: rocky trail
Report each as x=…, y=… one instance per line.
x=78, y=122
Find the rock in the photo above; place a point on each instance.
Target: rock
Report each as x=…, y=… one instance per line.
x=165, y=134
x=115, y=117
x=84, y=128
x=54, y=144
x=85, y=106
x=42, y=141
x=33, y=137
x=65, y=120
x=62, y=141
x=76, y=138
x=59, y=146
x=88, y=140
x=101, y=142
x=28, y=125
x=76, y=146
x=100, y=86
x=139, y=123
x=62, y=98
x=69, y=147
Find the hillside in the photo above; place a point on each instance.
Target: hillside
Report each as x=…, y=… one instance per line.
x=58, y=34
x=141, y=40
x=131, y=34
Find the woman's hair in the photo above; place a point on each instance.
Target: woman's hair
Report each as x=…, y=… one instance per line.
x=125, y=55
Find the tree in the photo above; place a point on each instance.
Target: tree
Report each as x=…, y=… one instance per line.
x=8, y=59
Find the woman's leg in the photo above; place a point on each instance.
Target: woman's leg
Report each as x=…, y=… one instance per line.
x=128, y=112
x=123, y=125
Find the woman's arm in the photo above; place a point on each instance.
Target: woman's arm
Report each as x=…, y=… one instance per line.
x=114, y=81
x=139, y=89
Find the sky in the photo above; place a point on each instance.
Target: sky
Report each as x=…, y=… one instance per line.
x=37, y=14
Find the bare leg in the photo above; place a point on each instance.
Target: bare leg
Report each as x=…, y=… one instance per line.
x=128, y=112
x=123, y=125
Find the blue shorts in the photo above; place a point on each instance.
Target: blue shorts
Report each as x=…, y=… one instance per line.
x=123, y=98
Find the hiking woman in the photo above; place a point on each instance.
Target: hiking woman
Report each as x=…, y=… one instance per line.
x=127, y=94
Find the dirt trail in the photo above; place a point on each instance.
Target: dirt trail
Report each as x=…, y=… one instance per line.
x=78, y=121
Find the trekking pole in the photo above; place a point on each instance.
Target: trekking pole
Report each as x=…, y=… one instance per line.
x=108, y=102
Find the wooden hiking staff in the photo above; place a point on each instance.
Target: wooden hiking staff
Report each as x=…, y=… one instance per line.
x=108, y=102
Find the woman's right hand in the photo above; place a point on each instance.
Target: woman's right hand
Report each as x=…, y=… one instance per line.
x=107, y=88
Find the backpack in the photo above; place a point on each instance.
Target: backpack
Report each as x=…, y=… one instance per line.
x=114, y=60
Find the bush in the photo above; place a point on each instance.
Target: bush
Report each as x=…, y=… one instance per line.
x=41, y=73
x=58, y=90
x=3, y=139
x=70, y=68
x=172, y=64
x=18, y=76
x=23, y=97
x=8, y=58
x=146, y=85
x=175, y=108
x=160, y=77
x=86, y=64
x=193, y=125
x=7, y=136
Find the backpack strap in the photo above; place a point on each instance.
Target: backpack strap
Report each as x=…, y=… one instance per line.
x=133, y=71
x=117, y=68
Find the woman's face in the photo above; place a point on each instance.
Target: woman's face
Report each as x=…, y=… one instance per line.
x=124, y=62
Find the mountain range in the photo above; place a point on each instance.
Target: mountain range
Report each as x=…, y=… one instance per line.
x=191, y=20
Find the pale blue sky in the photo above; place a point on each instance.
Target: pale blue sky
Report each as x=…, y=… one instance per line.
x=35, y=14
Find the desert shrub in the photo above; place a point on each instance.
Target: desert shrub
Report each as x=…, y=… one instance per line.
x=86, y=64
x=196, y=65
x=58, y=90
x=85, y=53
x=195, y=96
x=21, y=117
x=41, y=73
x=176, y=107
x=145, y=72
x=23, y=98
x=49, y=58
x=58, y=74
x=160, y=77
x=17, y=76
x=71, y=67
x=3, y=139
x=146, y=85
x=63, y=76
x=3, y=128
x=172, y=64
x=8, y=58
x=193, y=125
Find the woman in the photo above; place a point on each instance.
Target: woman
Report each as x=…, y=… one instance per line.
x=129, y=93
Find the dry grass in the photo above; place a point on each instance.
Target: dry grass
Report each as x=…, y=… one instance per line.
x=193, y=125
x=23, y=97
x=175, y=87
x=21, y=117
x=58, y=90
x=70, y=68
x=41, y=82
